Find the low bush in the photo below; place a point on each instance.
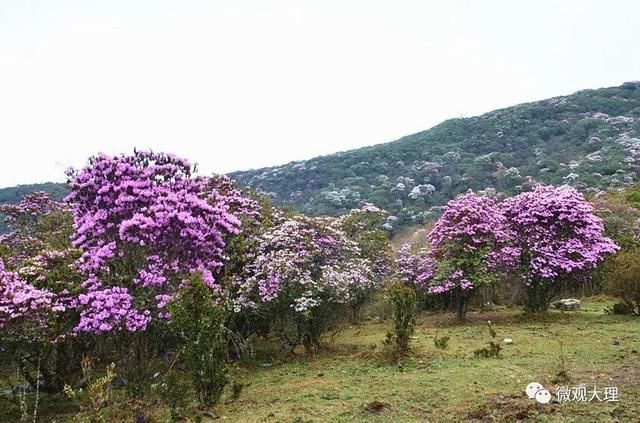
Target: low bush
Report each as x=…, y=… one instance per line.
x=403, y=299
x=198, y=321
x=494, y=348
x=441, y=342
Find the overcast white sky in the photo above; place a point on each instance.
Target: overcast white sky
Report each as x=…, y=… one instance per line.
x=242, y=84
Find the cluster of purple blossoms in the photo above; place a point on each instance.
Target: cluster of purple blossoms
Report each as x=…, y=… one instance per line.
x=557, y=232
x=37, y=277
x=413, y=268
x=469, y=243
x=453, y=280
x=545, y=234
x=143, y=223
x=20, y=300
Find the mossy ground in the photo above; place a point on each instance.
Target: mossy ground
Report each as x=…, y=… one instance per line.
x=351, y=380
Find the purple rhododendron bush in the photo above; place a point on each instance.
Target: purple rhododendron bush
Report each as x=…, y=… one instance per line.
x=559, y=238
x=162, y=271
x=549, y=238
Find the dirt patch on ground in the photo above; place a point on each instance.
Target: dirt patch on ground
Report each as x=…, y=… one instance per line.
x=506, y=408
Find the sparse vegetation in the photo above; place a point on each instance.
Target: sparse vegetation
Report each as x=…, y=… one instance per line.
x=436, y=385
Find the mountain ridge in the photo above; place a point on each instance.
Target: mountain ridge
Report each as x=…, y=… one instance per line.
x=505, y=150
x=589, y=139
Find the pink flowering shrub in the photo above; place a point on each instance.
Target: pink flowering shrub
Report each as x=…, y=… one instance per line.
x=38, y=279
x=413, y=268
x=364, y=226
x=38, y=289
x=21, y=301
x=559, y=237
x=469, y=244
x=144, y=223
x=303, y=269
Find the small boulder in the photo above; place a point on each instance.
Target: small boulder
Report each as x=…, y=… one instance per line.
x=567, y=304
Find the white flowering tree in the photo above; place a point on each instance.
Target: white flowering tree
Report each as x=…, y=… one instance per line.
x=304, y=270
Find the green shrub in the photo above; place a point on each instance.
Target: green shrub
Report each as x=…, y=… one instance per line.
x=622, y=278
x=295, y=328
x=97, y=394
x=174, y=392
x=198, y=322
x=403, y=299
x=619, y=308
x=441, y=343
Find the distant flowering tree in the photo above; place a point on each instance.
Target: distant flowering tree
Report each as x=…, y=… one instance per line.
x=38, y=289
x=364, y=226
x=414, y=268
x=559, y=238
x=470, y=245
x=257, y=216
x=24, y=308
x=144, y=223
x=303, y=269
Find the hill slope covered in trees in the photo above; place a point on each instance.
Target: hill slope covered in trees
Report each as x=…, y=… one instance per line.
x=13, y=195
x=589, y=139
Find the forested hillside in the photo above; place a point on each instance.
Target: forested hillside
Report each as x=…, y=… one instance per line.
x=590, y=140
x=13, y=195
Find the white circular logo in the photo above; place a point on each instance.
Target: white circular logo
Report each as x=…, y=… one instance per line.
x=532, y=388
x=543, y=396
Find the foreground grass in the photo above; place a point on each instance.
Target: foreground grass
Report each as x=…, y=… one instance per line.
x=352, y=381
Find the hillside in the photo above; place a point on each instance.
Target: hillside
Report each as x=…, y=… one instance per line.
x=589, y=139
x=14, y=194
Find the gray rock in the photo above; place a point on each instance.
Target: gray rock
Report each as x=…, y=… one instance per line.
x=567, y=304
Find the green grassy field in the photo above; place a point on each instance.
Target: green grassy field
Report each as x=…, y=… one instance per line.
x=351, y=380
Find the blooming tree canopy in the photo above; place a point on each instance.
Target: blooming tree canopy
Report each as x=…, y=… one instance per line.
x=303, y=261
x=469, y=243
x=144, y=223
x=559, y=236
x=364, y=226
x=414, y=268
x=302, y=267
x=37, y=279
x=23, y=303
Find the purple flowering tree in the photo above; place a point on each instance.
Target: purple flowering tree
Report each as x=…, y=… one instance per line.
x=413, y=268
x=559, y=237
x=469, y=244
x=38, y=290
x=144, y=223
x=24, y=308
